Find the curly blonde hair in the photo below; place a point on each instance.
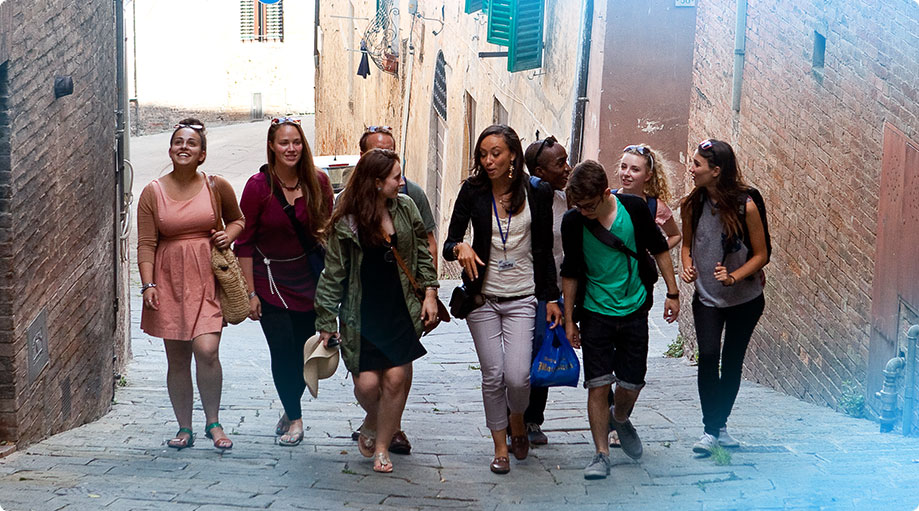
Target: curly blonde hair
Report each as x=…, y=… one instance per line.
x=657, y=185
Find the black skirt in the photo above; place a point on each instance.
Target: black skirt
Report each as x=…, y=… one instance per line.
x=388, y=336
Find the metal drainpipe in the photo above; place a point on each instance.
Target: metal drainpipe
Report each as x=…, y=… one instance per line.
x=580, y=104
x=912, y=340
x=740, y=36
x=403, y=130
x=888, y=393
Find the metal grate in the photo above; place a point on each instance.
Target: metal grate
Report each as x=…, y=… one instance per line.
x=440, y=86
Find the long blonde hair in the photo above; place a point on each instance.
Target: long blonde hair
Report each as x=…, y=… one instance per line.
x=656, y=186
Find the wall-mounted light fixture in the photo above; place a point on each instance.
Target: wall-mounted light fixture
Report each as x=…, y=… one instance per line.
x=63, y=86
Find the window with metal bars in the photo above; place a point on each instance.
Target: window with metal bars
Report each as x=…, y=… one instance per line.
x=440, y=86
x=260, y=22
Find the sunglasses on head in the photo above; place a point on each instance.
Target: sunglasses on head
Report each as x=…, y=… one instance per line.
x=546, y=142
x=282, y=120
x=642, y=150
x=196, y=127
x=379, y=129
x=705, y=145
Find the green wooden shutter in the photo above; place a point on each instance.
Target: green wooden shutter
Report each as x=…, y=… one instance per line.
x=499, y=21
x=526, y=31
x=473, y=5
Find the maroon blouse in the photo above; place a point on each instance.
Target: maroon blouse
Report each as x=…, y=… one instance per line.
x=269, y=234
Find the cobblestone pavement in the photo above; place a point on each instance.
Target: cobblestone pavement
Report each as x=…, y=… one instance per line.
x=794, y=455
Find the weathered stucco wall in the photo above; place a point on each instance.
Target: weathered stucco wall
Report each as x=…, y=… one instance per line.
x=541, y=99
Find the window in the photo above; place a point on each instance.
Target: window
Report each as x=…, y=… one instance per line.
x=260, y=22
x=819, y=55
x=469, y=136
x=473, y=5
x=440, y=86
x=525, y=48
x=518, y=24
x=500, y=113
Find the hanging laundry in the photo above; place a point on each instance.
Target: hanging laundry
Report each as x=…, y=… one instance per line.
x=363, y=69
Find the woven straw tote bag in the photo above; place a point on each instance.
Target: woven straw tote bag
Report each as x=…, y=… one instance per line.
x=232, y=290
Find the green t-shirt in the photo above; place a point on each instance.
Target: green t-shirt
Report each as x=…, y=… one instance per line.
x=610, y=290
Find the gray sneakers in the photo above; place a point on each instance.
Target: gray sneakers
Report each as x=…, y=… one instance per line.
x=628, y=437
x=726, y=440
x=598, y=467
x=537, y=437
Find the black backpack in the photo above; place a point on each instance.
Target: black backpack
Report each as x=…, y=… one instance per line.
x=757, y=199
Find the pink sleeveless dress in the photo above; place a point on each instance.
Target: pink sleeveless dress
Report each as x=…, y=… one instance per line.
x=182, y=269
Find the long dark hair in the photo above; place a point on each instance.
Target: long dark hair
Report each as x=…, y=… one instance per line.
x=518, y=181
x=316, y=201
x=728, y=192
x=359, y=198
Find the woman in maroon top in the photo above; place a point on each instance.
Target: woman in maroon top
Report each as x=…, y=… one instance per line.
x=277, y=268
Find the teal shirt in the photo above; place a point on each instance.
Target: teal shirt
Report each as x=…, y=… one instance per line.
x=610, y=290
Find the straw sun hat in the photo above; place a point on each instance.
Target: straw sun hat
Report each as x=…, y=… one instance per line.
x=319, y=363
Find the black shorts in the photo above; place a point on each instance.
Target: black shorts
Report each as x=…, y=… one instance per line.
x=615, y=348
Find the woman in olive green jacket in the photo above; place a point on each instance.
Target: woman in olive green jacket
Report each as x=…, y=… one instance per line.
x=380, y=319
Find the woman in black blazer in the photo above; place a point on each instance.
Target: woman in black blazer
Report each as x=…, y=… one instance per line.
x=509, y=266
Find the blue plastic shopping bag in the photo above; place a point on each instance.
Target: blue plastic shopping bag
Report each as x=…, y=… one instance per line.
x=556, y=364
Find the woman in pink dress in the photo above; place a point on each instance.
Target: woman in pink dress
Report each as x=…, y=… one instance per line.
x=176, y=226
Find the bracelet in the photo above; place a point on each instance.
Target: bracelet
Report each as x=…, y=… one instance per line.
x=252, y=295
x=146, y=286
x=673, y=296
x=552, y=301
x=733, y=280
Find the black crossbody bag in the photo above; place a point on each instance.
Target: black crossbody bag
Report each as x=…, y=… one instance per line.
x=315, y=252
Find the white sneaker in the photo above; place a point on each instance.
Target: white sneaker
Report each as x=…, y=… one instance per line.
x=726, y=440
x=705, y=444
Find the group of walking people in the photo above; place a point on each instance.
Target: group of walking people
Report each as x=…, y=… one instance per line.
x=552, y=247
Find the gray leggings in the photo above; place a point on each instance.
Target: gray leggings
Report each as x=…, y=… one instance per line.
x=503, y=337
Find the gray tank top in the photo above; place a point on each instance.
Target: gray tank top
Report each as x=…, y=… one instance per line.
x=708, y=247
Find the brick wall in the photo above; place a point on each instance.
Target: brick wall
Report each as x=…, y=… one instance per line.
x=57, y=197
x=812, y=142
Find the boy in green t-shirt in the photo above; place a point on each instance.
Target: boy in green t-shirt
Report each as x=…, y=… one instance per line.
x=603, y=291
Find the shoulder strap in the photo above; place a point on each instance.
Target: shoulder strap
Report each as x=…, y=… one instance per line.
x=608, y=238
x=211, y=184
x=401, y=262
x=291, y=213
x=652, y=205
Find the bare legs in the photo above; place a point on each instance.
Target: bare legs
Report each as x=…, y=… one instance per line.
x=205, y=349
x=382, y=394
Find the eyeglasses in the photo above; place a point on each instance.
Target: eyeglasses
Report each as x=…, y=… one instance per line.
x=197, y=127
x=546, y=142
x=705, y=145
x=379, y=129
x=282, y=120
x=642, y=150
x=589, y=209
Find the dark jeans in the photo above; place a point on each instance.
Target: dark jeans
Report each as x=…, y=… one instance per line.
x=535, y=413
x=286, y=332
x=718, y=392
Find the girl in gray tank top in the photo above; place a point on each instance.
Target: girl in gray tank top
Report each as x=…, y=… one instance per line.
x=723, y=252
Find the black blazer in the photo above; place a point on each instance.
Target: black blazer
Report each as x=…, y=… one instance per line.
x=647, y=237
x=474, y=203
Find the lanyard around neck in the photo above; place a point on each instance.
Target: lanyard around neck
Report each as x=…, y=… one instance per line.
x=501, y=233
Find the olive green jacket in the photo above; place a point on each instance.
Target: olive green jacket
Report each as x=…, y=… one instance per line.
x=338, y=292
